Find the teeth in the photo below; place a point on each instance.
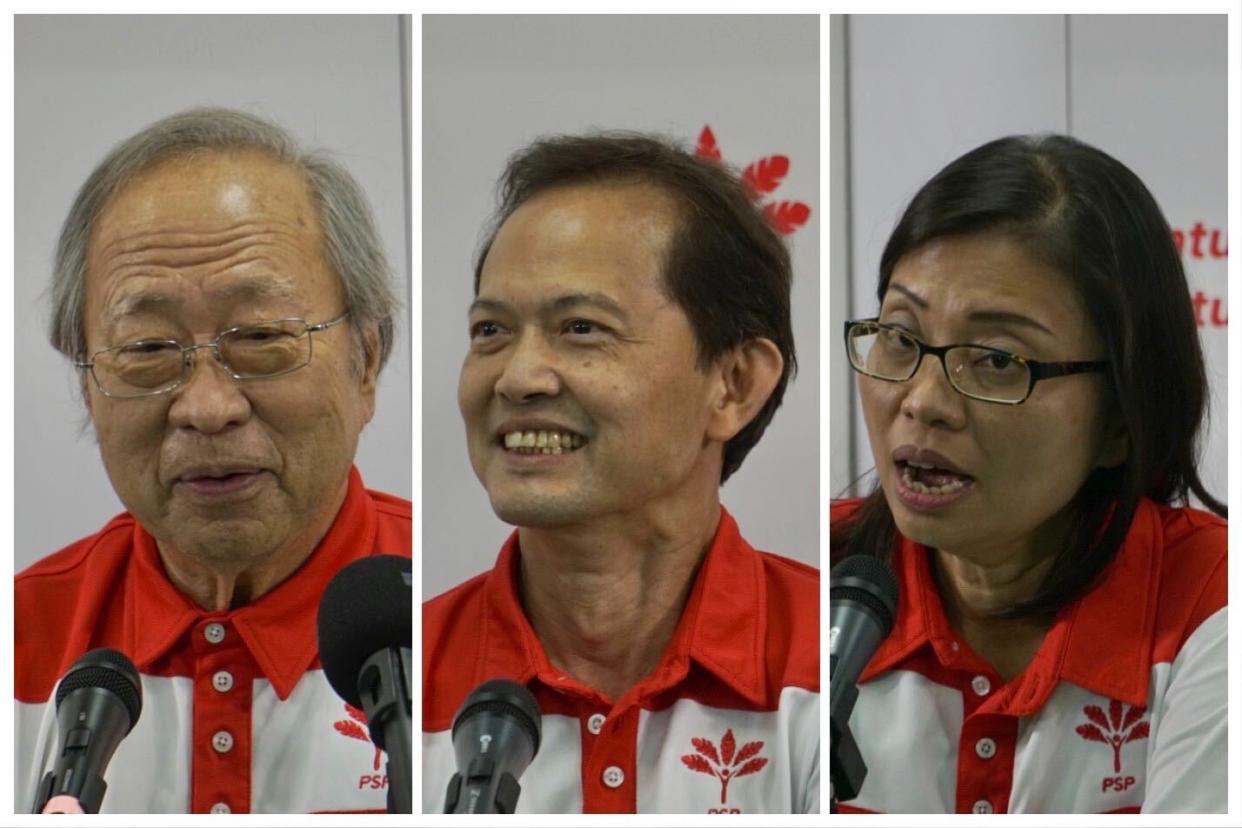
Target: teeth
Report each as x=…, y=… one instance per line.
x=543, y=442
x=907, y=477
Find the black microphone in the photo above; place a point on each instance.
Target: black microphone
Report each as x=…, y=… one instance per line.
x=366, y=616
x=862, y=600
x=97, y=704
x=495, y=735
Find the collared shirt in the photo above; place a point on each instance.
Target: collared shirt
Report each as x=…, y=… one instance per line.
x=237, y=715
x=1123, y=707
x=727, y=722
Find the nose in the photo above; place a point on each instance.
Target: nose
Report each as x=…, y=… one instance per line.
x=530, y=370
x=930, y=399
x=208, y=400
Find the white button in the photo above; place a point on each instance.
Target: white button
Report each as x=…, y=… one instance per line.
x=986, y=748
x=982, y=807
x=953, y=645
x=221, y=808
x=614, y=777
x=222, y=681
x=596, y=723
x=214, y=632
x=222, y=741
x=981, y=685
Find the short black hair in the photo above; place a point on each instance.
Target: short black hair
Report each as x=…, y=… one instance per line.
x=1084, y=213
x=726, y=265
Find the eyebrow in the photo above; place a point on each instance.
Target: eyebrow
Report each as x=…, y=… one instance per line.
x=562, y=303
x=993, y=316
x=153, y=301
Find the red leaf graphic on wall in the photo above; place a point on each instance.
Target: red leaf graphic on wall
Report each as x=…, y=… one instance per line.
x=764, y=175
x=707, y=145
x=787, y=216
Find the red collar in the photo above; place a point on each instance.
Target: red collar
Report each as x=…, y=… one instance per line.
x=722, y=627
x=279, y=629
x=1101, y=642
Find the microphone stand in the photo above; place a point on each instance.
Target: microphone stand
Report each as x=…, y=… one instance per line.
x=384, y=685
x=845, y=763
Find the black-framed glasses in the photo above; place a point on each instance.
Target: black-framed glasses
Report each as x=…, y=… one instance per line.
x=976, y=371
x=147, y=367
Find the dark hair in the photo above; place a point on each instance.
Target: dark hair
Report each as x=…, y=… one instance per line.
x=726, y=266
x=1084, y=213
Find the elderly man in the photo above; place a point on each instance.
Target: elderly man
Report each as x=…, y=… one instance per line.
x=629, y=342
x=226, y=300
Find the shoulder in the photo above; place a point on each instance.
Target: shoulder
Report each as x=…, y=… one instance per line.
x=791, y=599
x=58, y=600
x=1193, y=575
x=394, y=523
x=842, y=510
x=454, y=629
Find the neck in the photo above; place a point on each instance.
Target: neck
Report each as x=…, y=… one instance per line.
x=219, y=580
x=605, y=599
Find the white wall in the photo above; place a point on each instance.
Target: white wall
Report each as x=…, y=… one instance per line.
x=493, y=84
x=82, y=84
x=1149, y=90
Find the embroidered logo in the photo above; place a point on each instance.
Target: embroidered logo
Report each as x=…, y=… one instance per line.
x=355, y=727
x=760, y=178
x=1119, y=727
x=726, y=764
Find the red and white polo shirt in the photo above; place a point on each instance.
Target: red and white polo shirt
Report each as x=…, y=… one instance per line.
x=1123, y=708
x=236, y=715
x=727, y=722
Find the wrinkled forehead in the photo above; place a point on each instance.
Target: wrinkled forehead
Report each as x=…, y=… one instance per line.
x=239, y=224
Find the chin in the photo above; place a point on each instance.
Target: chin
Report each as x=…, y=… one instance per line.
x=535, y=511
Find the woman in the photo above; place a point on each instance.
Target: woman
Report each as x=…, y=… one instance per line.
x=1033, y=388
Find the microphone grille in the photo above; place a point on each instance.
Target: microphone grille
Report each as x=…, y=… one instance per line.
x=503, y=698
x=106, y=669
x=867, y=581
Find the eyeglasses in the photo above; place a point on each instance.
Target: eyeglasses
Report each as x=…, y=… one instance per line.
x=156, y=366
x=981, y=373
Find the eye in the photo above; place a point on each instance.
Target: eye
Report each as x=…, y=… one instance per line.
x=148, y=347
x=582, y=327
x=484, y=329
x=996, y=362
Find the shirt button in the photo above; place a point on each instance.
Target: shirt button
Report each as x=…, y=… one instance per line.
x=982, y=807
x=222, y=681
x=985, y=748
x=614, y=777
x=222, y=741
x=981, y=685
x=596, y=723
x=221, y=808
x=214, y=632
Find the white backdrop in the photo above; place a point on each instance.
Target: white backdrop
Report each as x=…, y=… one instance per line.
x=1149, y=90
x=493, y=84
x=82, y=84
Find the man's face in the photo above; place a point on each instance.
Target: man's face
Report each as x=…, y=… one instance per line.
x=224, y=470
x=576, y=348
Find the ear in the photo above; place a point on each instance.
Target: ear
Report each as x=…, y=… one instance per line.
x=1114, y=443
x=368, y=380
x=748, y=374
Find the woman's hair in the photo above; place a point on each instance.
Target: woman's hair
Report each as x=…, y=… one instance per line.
x=1082, y=212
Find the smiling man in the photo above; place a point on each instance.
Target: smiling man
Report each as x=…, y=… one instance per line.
x=226, y=300
x=629, y=343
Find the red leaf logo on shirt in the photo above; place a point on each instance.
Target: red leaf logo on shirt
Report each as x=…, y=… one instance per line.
x=759, y=178
x=1120, y=726
x=726, y=764
x=355, y=727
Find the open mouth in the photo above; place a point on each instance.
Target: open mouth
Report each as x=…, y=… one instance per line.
x=932, y=480
x=542, y=442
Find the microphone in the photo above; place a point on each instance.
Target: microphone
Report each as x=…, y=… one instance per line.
x=495, y=735
x=98, y=702
x=365, y=619
x=862, y=600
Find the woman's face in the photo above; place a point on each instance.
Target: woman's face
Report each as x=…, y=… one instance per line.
x=1002, y=474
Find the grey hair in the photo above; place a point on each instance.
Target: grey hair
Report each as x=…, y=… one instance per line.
x=351, y=243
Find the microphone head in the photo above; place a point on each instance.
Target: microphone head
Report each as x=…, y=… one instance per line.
x=106, y=669
x=367, y=607
x=503, y=698
x=867, y=581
